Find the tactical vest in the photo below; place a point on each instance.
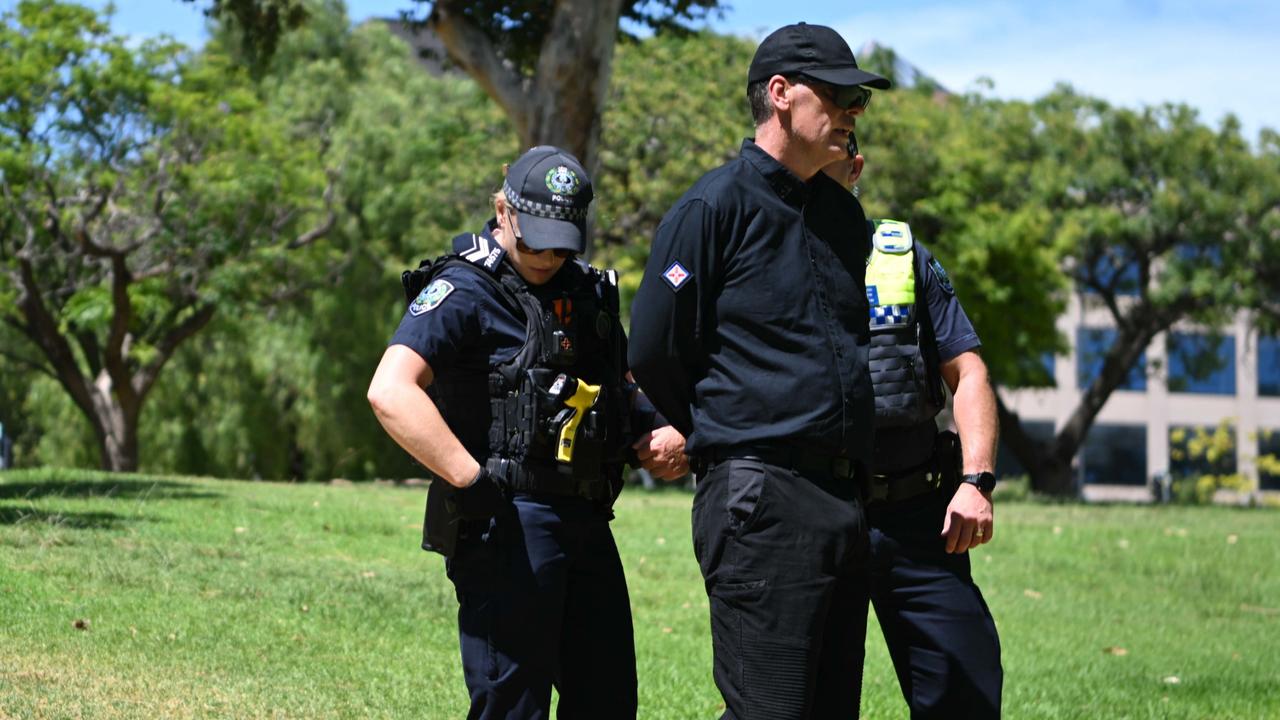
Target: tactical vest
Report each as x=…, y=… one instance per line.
x=556, y=419
x=903, y=354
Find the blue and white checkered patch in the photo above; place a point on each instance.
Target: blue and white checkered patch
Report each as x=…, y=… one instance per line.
x=889, y=315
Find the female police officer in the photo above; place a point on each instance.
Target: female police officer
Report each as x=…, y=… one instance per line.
x=507, y=379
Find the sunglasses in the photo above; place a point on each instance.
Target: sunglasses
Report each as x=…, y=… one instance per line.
x=561, y=253
x=845, y=97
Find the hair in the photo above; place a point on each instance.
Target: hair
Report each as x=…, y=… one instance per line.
x=758, y=97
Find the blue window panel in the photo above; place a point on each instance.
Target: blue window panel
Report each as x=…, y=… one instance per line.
x=1110, y=268
x=1200, y=363
x=1091, y=346
x=1269, y=366
x=1007, y=464
x=1115, y=454
x=1183, y=464
x=1268, y=444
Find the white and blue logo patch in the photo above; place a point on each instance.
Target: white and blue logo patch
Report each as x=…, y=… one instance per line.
x=873, y=295
x=676, y=276
x=943, y=279
x=890, y=315
x=892, y=236
x=430, y=297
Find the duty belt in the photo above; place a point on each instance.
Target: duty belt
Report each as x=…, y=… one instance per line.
x=832, y=467
x=519, y=477
x=895, y=488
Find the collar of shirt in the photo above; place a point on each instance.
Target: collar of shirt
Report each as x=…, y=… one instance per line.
x=790, y=188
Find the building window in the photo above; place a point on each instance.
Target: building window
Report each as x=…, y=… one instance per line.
x=1007, y=464
x=1092, y=345
x=1204, y=450
x=1115, y=454
x=1269, y=459
x=1113, y=270
x=1200, y=363
x=1269, y=365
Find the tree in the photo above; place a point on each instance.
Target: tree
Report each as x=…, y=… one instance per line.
x=285, y=385
x=142, y=189
x=1160, y=220
x=547, y=63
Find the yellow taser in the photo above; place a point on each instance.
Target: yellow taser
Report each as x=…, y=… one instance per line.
x=584, y=396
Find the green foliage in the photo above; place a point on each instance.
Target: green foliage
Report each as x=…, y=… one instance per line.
x=967, y=174
x=662, y=131
x=282, y=388
x=144, y=189
x=1209, y=454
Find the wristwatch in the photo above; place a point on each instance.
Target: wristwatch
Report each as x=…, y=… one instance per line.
x=984, y=481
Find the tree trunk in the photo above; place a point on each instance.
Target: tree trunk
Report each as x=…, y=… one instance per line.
x=1049, y=464
x=562, y=103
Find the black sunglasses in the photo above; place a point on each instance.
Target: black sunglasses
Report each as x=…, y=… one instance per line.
x=845, y=97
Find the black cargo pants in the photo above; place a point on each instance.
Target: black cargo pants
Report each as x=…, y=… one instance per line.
x=783, y=557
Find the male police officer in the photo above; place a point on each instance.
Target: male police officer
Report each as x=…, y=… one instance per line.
x=925, y=515
x=750, y=333
x=524, y=421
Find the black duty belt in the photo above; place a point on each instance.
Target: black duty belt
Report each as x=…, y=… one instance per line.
x=519, y=477
x=805, y=462
x=895, y=488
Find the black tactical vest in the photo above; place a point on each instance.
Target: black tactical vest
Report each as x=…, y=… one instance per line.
x=572, y=353
x=905, y=366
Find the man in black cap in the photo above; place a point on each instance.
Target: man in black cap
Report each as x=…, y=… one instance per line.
x=507, y=378
x=750, y=334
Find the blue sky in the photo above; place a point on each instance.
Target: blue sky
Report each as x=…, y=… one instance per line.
x=1216, y=55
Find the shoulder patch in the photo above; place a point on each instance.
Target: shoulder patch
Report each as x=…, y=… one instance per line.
x=892, y=236
x=943, y=279
x=675, y=275
x=430, y=297
x=479, y=250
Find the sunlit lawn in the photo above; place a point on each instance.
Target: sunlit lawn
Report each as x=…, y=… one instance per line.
x=206, y=598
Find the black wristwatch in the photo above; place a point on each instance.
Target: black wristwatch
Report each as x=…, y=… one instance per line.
x=984, y=481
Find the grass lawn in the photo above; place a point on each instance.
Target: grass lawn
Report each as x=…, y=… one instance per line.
x=137, y=596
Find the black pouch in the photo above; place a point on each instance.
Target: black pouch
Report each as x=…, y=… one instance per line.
x=948, y=460
x=439, y=529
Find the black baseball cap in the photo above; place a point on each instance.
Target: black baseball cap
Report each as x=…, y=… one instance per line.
x=814, y=51
x=550, y=192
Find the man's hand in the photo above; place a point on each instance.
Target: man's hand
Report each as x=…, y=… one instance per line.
x=481, y=499
x=661, y=452
x=970, y=521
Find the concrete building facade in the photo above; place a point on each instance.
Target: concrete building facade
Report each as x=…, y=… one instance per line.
x=1142, y=429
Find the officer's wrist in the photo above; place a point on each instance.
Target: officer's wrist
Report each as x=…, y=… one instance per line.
x=479, y=475
x=984, y=481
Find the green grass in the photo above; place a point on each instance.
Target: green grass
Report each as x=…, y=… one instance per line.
x=208, y=598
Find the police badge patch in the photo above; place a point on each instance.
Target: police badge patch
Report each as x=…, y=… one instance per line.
x=562, y=181
x=430, y=297
x=943, y=279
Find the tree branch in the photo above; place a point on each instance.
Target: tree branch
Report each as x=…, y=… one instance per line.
x=472, y=50
x=330, y=218
x=146, y=376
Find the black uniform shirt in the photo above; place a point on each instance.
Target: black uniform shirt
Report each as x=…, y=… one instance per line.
x=462, y=325
x=951, y=327
x=751, y=323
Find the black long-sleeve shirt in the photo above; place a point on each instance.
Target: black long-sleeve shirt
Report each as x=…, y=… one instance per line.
x=751, y=323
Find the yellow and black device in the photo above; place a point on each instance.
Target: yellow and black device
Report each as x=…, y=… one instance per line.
x=579, y=398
